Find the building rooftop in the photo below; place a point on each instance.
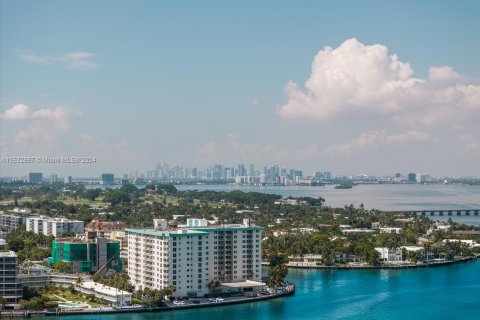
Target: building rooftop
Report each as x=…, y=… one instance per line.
x=166, y=233
x=228, y=226
x=81, y=240
x=8, y=254
x=52, y=219
x=97, y=224
x=100, y=288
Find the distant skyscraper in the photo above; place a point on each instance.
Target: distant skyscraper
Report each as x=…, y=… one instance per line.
x=67, y=179
x=241, y=170
x=296, y=173
x=421, y=177
x=107, y=178
x=412, y=177
x=228, y=173
x=252, y=170
x=217, y=172
x=323, y=175
x=35, y=177
x=53, y=178
x=328, y=175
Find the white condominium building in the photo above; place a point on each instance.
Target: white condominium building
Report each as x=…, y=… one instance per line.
x=10, y=221
x=10, y=285
x=54, y=226
x=191, y=256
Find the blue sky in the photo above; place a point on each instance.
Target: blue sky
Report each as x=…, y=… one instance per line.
x=135, y=83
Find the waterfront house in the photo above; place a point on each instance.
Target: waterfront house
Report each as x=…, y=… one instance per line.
x=111, y=295
x=351, y=258
x=308, y=260
x=390, y=255
x=340, y=257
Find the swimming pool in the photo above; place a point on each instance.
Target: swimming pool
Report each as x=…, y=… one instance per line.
x=70, y=304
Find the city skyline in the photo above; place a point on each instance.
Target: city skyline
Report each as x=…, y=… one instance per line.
x=240, y=174
x=350, y=88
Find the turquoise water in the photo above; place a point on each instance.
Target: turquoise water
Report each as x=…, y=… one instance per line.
x=449, y=292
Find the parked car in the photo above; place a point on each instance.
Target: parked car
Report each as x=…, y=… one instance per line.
x=219, y=299
x=178, y=303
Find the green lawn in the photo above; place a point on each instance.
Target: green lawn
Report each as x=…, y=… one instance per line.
x=159, y=198
x=75, y=298
x=66, y=200
x=97, y=202
x=20, y=201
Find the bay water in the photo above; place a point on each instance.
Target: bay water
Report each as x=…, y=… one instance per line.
x=388, y=197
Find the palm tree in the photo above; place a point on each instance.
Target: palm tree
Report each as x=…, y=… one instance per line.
x=79, y=281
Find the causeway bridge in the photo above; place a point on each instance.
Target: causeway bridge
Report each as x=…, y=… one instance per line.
x=446, y=212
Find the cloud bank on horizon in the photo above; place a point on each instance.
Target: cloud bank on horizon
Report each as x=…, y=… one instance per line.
x=364, y=79
x=80, y=60
x=41, y=130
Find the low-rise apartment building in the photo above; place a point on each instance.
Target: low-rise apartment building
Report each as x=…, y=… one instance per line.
x=11, y=221
x=53, y=226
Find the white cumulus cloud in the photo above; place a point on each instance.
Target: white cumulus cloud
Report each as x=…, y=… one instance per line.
x=59, y=116
x=376, y=139
x=356, y=78
x=17, y=112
